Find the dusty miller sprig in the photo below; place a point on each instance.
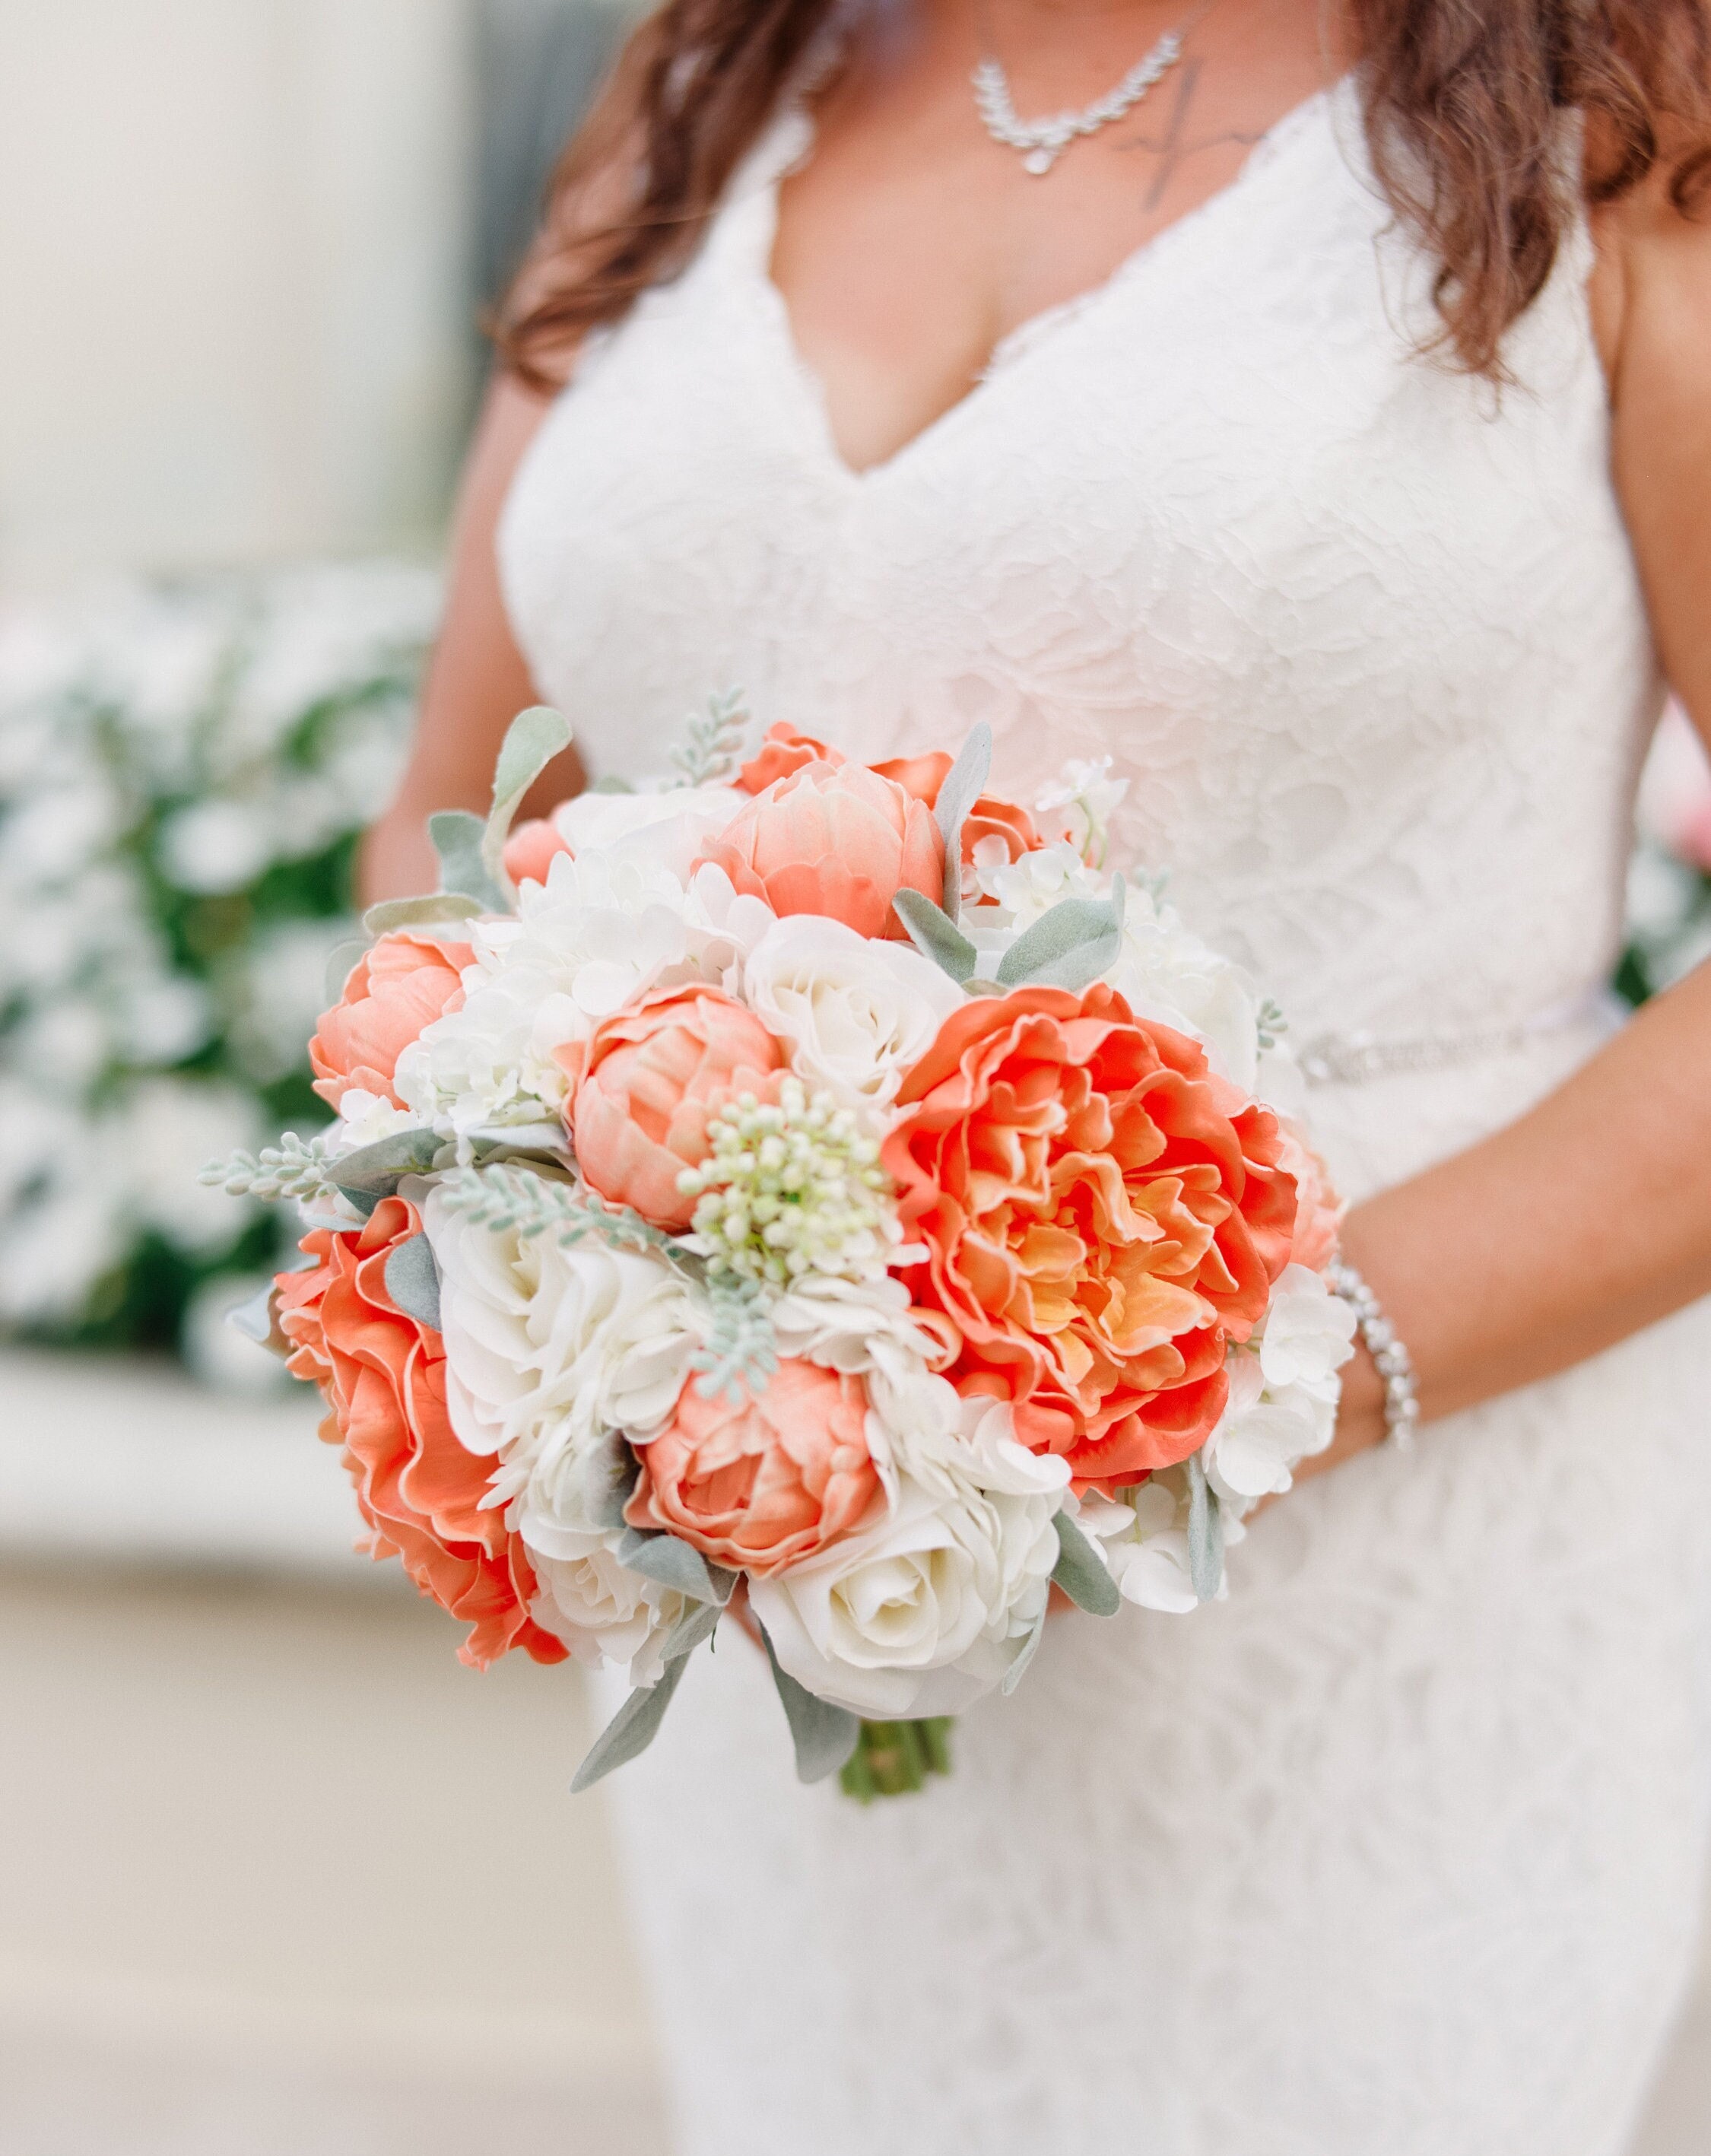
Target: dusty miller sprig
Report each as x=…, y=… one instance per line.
x=714, y=746
x=294, y=1169
x=1272, y=1025
x=741, y=1350
x=512, y=1201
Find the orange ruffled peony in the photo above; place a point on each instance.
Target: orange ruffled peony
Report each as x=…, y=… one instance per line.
x=763, y=1485
x=390, y=995
x=834, y=839
x=1102, y=1215
x=383, y=1375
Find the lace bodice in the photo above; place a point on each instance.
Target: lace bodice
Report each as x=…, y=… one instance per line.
x=1367, y=642
x=1392, y=1853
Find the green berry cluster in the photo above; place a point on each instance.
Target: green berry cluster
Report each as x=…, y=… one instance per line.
x=791, y=1189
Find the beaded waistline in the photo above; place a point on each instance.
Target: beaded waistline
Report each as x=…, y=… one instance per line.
x=1355, y=1059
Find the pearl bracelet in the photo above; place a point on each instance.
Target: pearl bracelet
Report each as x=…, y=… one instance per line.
x=1395, y=1366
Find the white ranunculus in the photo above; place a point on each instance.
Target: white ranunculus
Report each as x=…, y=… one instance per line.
x=856, y=1015
x=926, y=1608
x=542, y=1338
x=1309, y=1333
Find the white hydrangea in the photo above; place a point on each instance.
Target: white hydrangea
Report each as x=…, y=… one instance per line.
x=1079, y=808
x=1144, y=1541
x=597, y=935
x=1284, y=1390
x=1168, y=974
x=667, y=829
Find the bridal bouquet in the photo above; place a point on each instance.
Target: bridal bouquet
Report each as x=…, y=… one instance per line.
x=816, y=1191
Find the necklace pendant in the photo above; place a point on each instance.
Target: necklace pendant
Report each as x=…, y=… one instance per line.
x=1039, y=162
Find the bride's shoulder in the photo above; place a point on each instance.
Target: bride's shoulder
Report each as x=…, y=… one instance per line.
x=1651, y=282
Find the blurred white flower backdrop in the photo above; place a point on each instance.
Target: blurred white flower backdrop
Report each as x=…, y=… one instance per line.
x=184, y=772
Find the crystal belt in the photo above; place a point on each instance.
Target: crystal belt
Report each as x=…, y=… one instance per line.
x=1354, y=1058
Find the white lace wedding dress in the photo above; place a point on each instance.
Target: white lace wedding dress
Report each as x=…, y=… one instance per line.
x=1396, y=1852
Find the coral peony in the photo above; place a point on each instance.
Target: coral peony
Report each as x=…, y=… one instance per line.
x=837, y=839
x=991, y=817
x=390, y=995
x=1101, y=1214
x=784, y=750
x=533, y=848
x=647, y=1082
x=383, y=1373
x=765, y=1484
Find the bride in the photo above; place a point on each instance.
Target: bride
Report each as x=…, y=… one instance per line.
x=1323, y=432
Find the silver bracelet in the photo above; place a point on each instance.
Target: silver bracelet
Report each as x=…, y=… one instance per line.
x=1395, y=1366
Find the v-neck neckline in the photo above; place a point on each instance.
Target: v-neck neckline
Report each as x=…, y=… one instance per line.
x=1035, y=333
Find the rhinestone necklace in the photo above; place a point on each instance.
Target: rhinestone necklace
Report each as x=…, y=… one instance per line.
x=1042, y=142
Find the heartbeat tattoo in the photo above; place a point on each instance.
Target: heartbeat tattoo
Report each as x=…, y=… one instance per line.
x=1173, y=147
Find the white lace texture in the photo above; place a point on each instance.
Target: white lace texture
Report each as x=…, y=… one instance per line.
x=1393, y=1852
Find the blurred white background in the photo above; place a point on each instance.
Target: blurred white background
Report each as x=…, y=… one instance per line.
x=279, y=1876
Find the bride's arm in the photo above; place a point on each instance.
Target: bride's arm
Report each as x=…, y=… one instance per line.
x=477, y=680
x=1590, y=1216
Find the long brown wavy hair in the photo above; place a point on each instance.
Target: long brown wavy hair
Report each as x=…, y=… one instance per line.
x=1464, y=102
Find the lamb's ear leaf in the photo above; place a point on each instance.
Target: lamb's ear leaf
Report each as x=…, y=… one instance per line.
x=258, y=1319
x=825, y=1736
x=1031, y=1647
x=674, y=1564
x=964, y=782
x=412, y=1280
x=457, y=840
x=632, y=1729
x=697, y=1622
x=375, y=1171
x=936, y=935
x=441, y=910
x=534, y=737
x=609, y=1478
x=1206, y=1532
x=339, y=960
x=1070, y=947
x=1082, y=1573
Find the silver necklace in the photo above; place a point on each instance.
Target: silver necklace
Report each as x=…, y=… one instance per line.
x=1042, y=142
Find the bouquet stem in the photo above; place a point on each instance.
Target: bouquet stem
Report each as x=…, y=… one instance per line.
x=894, y=1758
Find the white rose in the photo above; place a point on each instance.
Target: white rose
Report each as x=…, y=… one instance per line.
x=602, y=1611
x=541, y=1337
x=857, y=1014
x=924, y=1610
